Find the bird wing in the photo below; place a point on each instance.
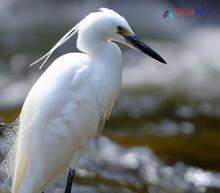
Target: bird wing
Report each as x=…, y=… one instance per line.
x=46, y=98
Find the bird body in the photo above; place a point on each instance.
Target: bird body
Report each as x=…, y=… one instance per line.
x=71, y=111
x=70, y=102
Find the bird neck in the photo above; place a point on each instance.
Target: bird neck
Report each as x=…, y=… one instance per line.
x=98, y=48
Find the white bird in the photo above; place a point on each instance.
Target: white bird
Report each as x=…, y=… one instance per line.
x=68, y=105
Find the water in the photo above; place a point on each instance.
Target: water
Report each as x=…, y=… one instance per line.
x=152, y=145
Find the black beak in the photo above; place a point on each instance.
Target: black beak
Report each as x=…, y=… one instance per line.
x=134, y=40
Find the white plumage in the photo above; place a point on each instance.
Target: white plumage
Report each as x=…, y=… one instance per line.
x=63, y=110
x=70, y=102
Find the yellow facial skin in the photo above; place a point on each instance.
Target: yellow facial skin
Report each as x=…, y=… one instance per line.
x=123, y=31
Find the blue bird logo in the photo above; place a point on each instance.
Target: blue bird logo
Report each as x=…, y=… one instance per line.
x=168, y=14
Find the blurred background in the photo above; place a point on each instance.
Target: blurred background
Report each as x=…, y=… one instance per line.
x=164, y=132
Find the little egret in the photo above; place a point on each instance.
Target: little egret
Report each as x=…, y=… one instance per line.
x=69, y=104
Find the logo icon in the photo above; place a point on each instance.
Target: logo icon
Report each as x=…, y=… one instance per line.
x=168, y=14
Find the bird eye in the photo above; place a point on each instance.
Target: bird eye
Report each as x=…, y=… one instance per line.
x=120, y=29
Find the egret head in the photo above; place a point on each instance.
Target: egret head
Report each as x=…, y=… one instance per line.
x=104, y=25
x=110, y=26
